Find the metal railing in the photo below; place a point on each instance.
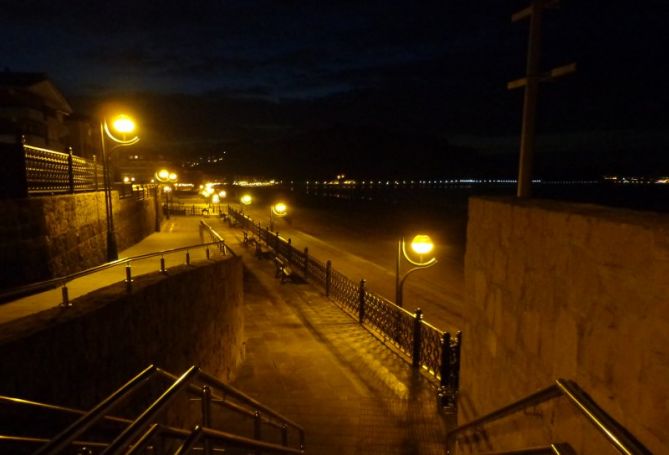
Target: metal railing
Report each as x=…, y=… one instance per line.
x=49, y=171
x=435, y=352
x=217, y=244
x=140, y=434
x=617, y=435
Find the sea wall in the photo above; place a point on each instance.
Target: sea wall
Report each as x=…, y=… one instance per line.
x=47, y=236
x=556, y=290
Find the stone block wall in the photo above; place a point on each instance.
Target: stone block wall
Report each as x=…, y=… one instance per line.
x=573, y=291
x=77, y=356
x=48, y=236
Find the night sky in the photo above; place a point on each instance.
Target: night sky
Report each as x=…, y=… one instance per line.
x=363, y=87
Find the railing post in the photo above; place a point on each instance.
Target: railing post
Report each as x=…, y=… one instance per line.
x=207, y=252
x=417, y=325
x=162, y=264
x=128, y=276
x=289, y=253
x=306, y=263
x=455, y=353
x=66, y=297
x=187, y=257
x=224, y=248
x=445, y=392
x=70, y=170
x=328, y=277
x=95, y=172
x=361, y=301
x=257, y=429
x=206, y=416
x=284, y=435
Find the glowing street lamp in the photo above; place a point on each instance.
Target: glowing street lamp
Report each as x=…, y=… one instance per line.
x=246, y=199
x=280, y=209
x=124, y=125
x=420, y=245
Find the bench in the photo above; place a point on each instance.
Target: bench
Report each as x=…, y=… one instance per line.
x=262, y=252
x=283, y=271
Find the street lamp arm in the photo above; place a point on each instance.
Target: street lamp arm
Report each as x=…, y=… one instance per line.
x=416, y=263
x=121, y=142
x=430, y=263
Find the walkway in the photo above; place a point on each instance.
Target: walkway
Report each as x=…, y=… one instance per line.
x=305, y=358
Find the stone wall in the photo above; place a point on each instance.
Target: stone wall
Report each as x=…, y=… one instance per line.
x=48, y=236
x=76, y=356
x=565, y=290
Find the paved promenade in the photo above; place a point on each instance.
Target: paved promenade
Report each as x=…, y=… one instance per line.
x=304, y=357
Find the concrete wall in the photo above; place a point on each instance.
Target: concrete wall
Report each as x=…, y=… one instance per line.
x=76, y=356
x=565, y=290
x=43, y=237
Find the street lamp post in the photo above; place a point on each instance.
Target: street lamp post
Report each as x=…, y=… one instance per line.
x=280, y=210
x=165, y=177
x=421, y=245
x=124, y=125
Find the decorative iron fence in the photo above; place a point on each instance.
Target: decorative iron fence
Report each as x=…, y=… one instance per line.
x=48, y=171
x=436, y=352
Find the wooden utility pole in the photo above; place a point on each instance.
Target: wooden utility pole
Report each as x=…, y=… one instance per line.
x=531, y=84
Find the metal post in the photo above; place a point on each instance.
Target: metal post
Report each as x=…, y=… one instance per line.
x=162, y=264
x=456, y=362
x=187, y=257
x=361, y=301
x=289, y=252
x=70, y=170
x=417, y=324
x=284, y=435
x=95, y=172
x=207, y=252
x=328, y=277
x=257, y=429
x=128, y=276
x=398, y=259
x=445, y=370
x=224, y=248
x=66, y=297
x=206, y=416
x=112, y=248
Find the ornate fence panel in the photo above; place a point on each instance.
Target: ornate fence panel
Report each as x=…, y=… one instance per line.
x=430, y=350
x=49, y=171
x=345, y=291
x=394, y=323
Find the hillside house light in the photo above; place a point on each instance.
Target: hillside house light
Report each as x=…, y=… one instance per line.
x=421, y=245
x=123, y=125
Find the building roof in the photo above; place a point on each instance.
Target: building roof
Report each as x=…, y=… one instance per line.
x=37, y=84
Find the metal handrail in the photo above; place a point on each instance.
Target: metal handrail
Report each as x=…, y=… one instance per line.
x=59, y=281
x=64, y=438
x=237, y=441
x=617, y=435
x=127, y=435
x=243, y=397
x=52, y=407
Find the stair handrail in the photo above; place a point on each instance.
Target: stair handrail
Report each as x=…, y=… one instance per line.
x=79, y=426
x=617, y=435
x=59, y=281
